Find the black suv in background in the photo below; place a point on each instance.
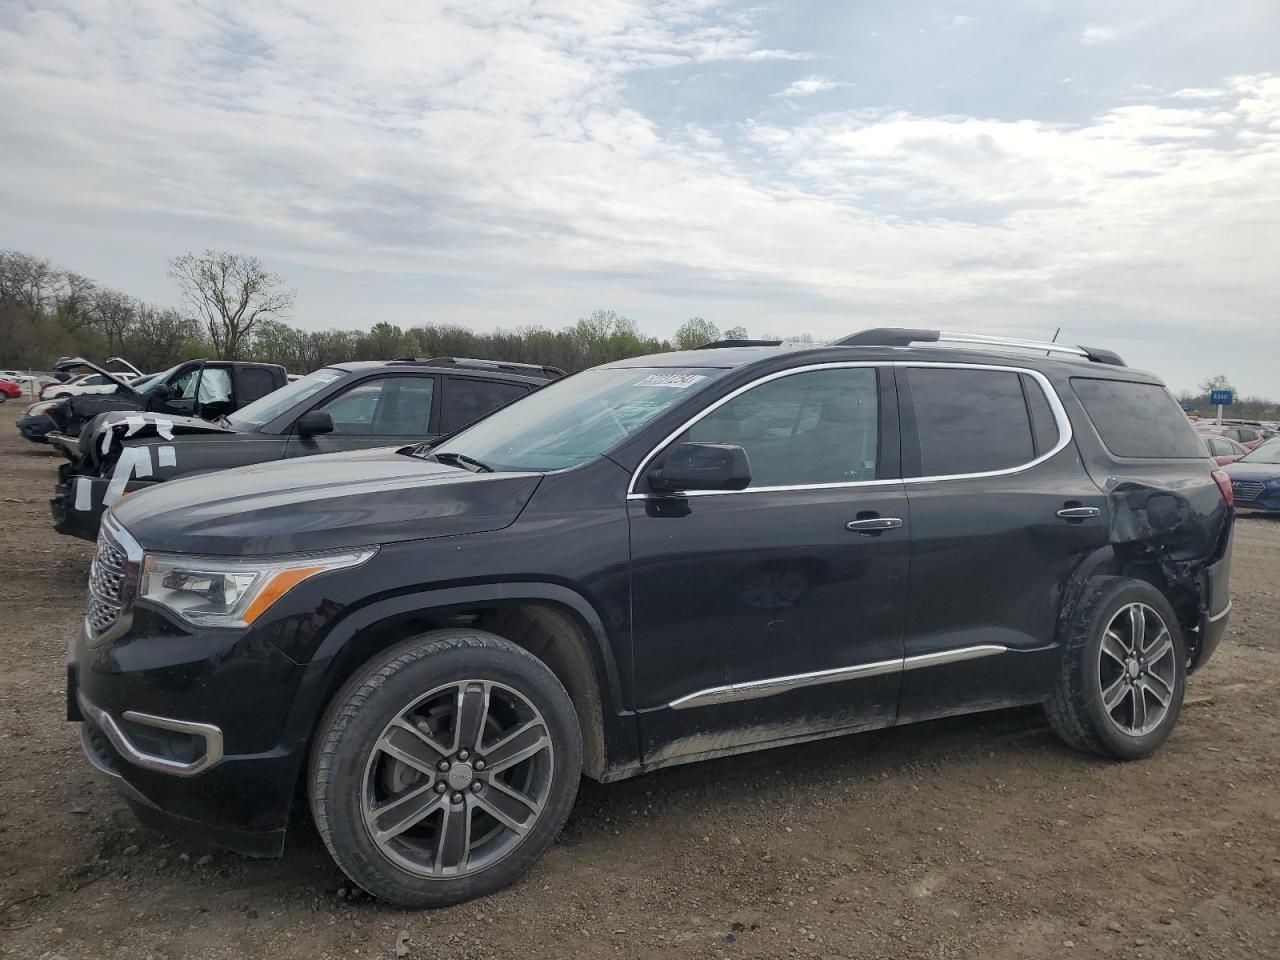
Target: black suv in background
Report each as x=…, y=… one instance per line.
x=659, y=560
x=194, y=388
x=348, y=406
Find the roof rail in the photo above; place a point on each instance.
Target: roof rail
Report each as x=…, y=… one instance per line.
x=904, y=337
x=722, y=344
x=528, y=369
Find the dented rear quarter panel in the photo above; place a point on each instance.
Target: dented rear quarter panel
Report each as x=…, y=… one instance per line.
x=1168, y=521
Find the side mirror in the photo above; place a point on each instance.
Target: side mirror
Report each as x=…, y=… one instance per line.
x=703, y=466
x=162, y=392
x=313, y=422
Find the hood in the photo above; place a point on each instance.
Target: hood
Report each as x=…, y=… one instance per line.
x=324, y=502
x=74, y=363
x=1252, y=471
x=88, y=405
x=105, y=434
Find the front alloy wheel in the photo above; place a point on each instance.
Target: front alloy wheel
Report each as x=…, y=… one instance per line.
x=458, y=778
x=444, y=768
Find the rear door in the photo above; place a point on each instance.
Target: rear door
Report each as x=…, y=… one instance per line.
x=379, y=411
x=1002, y=509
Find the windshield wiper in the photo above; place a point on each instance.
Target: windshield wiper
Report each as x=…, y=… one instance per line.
x=461, y=460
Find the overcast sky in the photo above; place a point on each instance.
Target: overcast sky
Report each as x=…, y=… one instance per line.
x=823, y=166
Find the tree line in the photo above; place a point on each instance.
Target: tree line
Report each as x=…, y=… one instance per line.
x=236, y=309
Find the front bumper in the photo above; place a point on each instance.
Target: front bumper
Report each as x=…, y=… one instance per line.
x=191, y=728
x=77, y=505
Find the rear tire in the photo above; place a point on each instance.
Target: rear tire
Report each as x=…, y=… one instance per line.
x=444, y=768
x=1116, y=696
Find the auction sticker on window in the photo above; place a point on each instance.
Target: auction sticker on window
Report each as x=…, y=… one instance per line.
x=679, y=381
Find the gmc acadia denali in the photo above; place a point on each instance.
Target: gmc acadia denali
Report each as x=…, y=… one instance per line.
x=656, y=561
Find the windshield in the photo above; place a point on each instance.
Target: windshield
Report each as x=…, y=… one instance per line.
x=279, y=401
x=1268, y=452
x=148, y=384
x=576, y=419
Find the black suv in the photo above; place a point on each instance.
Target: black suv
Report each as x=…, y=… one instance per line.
x=656, y=561
x=348, y=406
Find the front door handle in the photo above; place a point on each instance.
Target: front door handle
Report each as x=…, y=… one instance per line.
x=1079, y=513
x=874, y=523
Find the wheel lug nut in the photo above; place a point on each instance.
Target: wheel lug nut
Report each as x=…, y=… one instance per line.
x=462, y=754
x=443, y=766
x=479, y=764
x=457, y=798
x=476, y=786
x=441, y=788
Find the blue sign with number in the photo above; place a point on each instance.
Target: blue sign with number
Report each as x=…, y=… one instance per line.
x=1222, y=397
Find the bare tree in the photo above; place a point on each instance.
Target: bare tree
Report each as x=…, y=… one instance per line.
x=231, y=293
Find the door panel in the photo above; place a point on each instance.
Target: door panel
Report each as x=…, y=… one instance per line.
x=739, y=598
x=989, y=554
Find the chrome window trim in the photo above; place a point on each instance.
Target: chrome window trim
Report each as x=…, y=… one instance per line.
x=1051, y=396
x=772, y=686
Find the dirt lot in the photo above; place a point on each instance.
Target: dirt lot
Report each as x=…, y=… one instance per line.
x=979, y=837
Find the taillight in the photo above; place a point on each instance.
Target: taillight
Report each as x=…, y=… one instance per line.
x=1224, y=484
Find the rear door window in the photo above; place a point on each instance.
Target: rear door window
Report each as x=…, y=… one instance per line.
x=1138, y=420
x=468, y=399
x=971, y=421
x=255, y=382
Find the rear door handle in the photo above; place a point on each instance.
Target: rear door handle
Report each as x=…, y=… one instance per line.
x=1079, y=513
x=874, y=523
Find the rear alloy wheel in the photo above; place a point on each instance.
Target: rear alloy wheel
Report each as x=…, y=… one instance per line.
x=1123, y=671
x=1137, y=669
x=445, y=768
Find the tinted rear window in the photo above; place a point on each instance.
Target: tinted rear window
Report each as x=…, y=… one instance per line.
x=1138, y=419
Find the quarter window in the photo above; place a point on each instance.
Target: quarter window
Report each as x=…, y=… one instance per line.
x=971, y=421
x=387, y=406
x=1138, y=420
x=815, y=427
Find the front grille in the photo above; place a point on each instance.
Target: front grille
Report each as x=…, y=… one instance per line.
x=108, y=578
x=1247, y=489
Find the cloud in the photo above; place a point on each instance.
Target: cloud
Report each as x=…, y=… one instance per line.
x=808, y=86
x=495, y=160
x=1095, y=35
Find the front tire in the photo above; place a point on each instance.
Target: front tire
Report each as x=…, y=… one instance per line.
x=1123, y=674
x=445, y=768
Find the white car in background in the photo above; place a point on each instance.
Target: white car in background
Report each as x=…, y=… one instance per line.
x=87, y=384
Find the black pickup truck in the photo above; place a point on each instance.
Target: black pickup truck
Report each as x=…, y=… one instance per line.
x=194, y=388
x=347, y=406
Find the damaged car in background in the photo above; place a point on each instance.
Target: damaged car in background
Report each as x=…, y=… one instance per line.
x=348, y=406
x=198, y=388
x=660, y=560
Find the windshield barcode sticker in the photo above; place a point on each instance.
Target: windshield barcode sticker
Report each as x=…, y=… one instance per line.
x=680, y=381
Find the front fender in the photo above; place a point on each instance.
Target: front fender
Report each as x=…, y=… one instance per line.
x=328, y=668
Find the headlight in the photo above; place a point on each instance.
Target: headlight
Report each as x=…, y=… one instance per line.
x=232, y=591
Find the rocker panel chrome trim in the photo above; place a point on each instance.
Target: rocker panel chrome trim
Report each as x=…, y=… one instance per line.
x=754, y=689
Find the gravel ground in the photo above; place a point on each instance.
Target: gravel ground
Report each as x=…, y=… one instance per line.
x=980, y=837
